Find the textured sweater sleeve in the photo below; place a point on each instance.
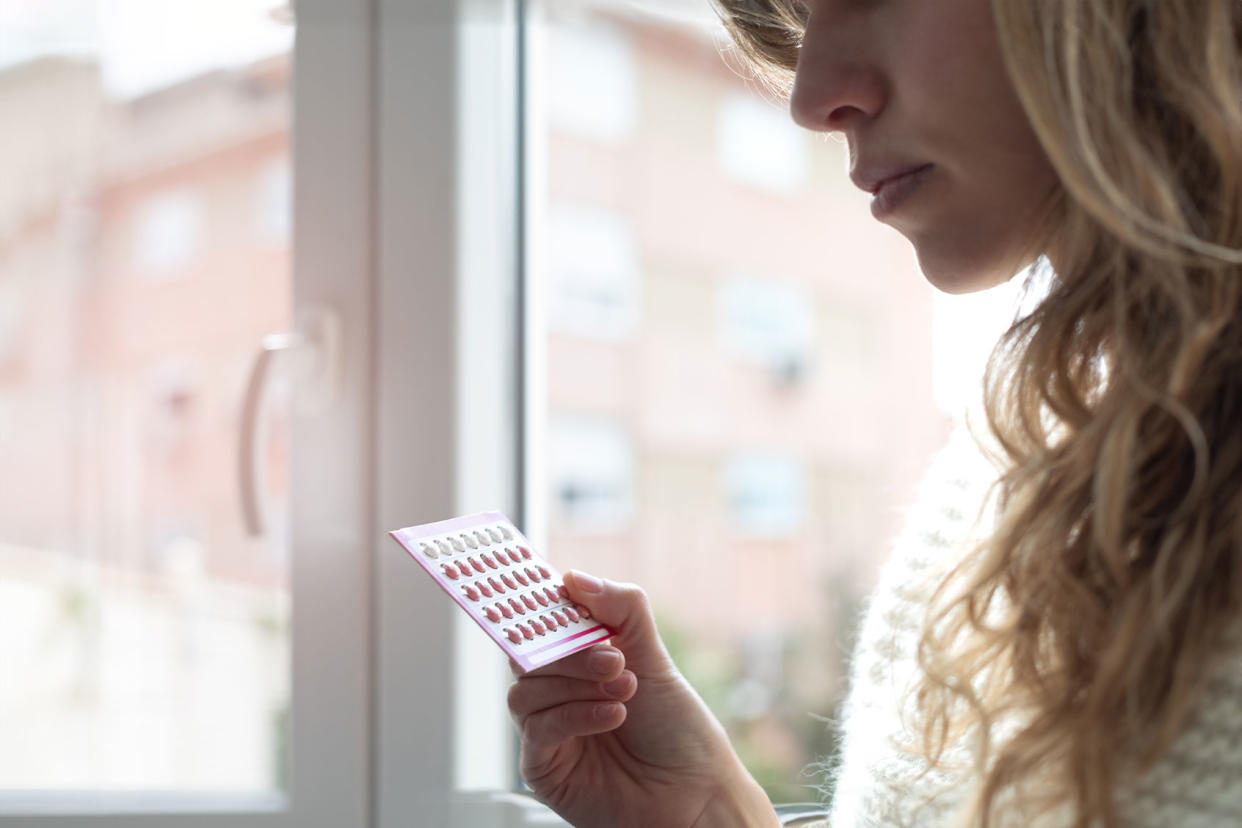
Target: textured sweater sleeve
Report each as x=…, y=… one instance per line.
x=1197, y=784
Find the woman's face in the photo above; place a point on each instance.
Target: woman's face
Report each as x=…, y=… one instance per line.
x=935, y=130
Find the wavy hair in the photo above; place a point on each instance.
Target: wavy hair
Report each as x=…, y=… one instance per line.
x=1093, y=613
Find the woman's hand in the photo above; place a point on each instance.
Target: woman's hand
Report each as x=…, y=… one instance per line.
x=615, y=736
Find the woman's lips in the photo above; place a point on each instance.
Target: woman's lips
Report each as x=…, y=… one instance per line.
x=890, y=193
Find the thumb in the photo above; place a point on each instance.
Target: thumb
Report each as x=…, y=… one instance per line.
x=625, y=609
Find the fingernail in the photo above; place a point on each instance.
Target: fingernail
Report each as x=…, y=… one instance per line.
x=605, y=711
x=603, y=663
x=587, y=583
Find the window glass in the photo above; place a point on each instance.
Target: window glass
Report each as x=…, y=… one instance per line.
x=753, y=438
x=143, y=630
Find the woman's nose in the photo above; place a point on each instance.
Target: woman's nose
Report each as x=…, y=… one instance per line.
x=836, y=84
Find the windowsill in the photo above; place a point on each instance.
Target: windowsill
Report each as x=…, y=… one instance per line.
x=502, y=809
x=113, y=803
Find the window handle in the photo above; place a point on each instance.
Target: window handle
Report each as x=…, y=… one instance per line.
x=309, y=358
x=808, y=814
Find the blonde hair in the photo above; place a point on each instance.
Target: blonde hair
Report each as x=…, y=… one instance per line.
x=1094, y=613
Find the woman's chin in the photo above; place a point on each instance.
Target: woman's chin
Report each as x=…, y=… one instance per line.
x=959, y=275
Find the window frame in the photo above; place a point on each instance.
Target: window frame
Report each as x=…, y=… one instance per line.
x=450, y=346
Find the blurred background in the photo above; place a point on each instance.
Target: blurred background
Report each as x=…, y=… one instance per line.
x=737, y=378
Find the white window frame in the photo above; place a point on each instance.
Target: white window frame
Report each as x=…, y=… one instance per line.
x=332, y=520
x=449, y=356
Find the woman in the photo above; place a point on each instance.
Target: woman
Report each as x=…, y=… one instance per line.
x=1074, y=658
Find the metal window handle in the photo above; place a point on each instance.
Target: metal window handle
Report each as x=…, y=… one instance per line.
x=808, y=814
x=309, y=357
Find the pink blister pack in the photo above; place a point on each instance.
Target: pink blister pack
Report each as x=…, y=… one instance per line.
x=489, y=568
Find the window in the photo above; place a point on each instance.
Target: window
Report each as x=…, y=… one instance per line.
x=766, y=494
x=157, y=668
x=412, y=406
x=273, y=197
x=768, y=323
x=594, y=273
x=169, y=232
x=10, y=320
x=594, y=72
x=764, y=372
x=592, y=469
x=759, y=146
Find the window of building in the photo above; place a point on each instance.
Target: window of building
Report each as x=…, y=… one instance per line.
x=594, y=79
x=768, y=323
x=592, y=474
x=595, y=272
x=759, y=146
x=170, y=230
x=274, y=202
x=766, y=493
x=11, y=318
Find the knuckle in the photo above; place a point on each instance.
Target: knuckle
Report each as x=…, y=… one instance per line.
x=630, y=590
x=544, y=727
x=636, y=595
x=527, y=729
x=563, y=726
x=518, y=698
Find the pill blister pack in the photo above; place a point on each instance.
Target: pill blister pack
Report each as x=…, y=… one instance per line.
x=486, y=565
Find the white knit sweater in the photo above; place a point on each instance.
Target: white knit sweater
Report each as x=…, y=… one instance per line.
x=1198, y=784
